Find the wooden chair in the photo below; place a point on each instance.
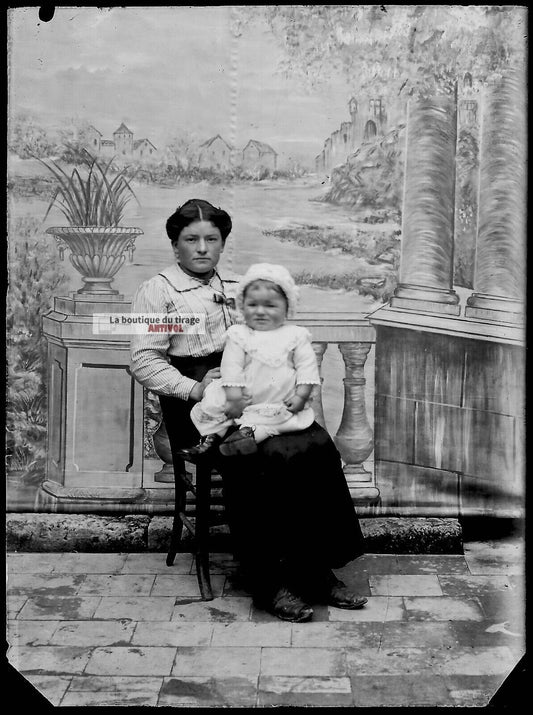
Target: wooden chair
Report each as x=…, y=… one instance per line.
x=206, y=513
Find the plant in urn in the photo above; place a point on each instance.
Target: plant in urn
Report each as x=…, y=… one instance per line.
x=93, y=206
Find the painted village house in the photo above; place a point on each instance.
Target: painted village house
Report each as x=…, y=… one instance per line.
x=123, y=145
x=215, y=153
x=257, y=155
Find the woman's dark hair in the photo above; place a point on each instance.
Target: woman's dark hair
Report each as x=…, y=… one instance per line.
x=197, y=210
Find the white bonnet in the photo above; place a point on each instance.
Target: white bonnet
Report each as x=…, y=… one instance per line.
x=275, y=274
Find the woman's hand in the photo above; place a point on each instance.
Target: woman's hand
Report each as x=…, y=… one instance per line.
x=197, y=391
x=295, y=403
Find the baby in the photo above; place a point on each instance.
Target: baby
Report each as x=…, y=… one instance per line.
x=268, y=369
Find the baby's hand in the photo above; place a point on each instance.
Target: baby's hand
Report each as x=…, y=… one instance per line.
x=234, y=408
x=295, y=403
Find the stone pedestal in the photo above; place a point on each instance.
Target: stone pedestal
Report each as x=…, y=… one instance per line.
x=499, y=278
x=95, y=410
x=449, y=415
x=426, y=269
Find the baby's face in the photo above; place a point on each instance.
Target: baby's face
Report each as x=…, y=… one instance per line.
x=263, y=307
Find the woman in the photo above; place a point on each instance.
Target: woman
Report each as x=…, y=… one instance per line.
x=289, y=509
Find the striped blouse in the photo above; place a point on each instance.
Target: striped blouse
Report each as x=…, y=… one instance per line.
x=172, y=291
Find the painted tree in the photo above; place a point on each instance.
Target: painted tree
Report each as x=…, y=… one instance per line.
x=27, y=138
x=396, y=50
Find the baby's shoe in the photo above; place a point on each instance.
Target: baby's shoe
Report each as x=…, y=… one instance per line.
x=239, y=442
x=206, y=444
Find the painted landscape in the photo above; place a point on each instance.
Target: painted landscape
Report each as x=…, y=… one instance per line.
x=292, y=118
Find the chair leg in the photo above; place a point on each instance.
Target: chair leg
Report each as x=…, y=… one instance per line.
x=177, y=523
x=203, y=494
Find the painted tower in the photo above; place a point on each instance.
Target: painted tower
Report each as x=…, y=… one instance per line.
x=123, y=139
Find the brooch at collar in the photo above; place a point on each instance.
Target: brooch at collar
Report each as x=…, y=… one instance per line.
x=219, y=298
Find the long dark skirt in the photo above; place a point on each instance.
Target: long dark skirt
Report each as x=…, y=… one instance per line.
x=288, y=506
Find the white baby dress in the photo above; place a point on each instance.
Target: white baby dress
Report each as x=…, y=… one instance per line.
x=269, y=364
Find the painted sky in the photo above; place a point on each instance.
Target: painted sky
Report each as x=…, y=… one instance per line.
x=163, y=71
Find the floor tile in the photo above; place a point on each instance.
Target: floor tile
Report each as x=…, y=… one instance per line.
x=400, y=634
x=199, y=691
x=370, y=564
x=138, y=660
x=442, y=608
x=378, y=608
x=252, y=634
x=172, y=633
x=31, y=562
x=70, y=563
x=116, y=683
x=509, y=549
x=86, y=698
x=470, y=585
x=425, y=564
x=502, y=606
x=219, y=610
x=14, y=605
x=45, y=584
x=93, y=633
x=147, y=563
x=402, y=585
x=30, y=632
x=336, y=635
x=47, y=659
x=59, y=608
x=303, y=661
x=52, y=687
x=182, y=586
x=488, y=633
x=300, y=691
x=142, y=608
x=404, y=690
x=492, y=557
x=472, y=690
x=219, y=662
x=394, y=661
x=117, y=585
x=481, y=660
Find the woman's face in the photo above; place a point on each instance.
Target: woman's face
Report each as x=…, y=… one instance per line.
x=198, y=247
x=263, y=307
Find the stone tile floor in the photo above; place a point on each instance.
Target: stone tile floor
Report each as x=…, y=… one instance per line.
x=124, y=629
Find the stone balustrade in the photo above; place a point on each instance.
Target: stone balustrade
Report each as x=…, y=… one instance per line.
x=354, y=337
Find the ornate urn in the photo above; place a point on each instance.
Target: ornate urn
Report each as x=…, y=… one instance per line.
x=97, y=252
x=93, y=201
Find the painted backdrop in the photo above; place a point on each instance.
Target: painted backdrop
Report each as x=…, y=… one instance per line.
x=291, y=117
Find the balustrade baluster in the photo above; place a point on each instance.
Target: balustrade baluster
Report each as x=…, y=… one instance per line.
x=320, y=349
x=354, y=439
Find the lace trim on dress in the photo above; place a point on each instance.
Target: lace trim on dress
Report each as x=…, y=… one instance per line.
x=261, y=353
x=233, y=384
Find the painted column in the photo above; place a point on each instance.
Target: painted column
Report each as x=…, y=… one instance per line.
x=499, y=277
x=426, y=269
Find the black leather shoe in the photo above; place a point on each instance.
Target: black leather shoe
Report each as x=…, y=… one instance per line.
x=240, y=442
x=205, y=445
x=340, y=596
x=287, y=606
